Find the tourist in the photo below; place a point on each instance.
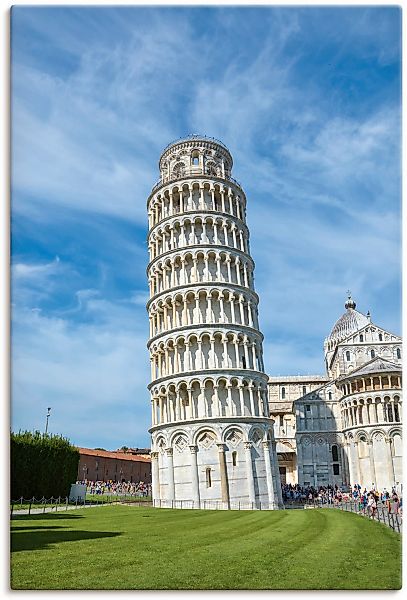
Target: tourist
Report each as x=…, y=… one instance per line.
x=372, y=505
x=396, y=504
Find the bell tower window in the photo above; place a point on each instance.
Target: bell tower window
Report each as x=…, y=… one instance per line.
x=195, y=158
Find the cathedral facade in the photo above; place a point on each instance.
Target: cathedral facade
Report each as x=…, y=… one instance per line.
x=343, y=427
x=212, y=436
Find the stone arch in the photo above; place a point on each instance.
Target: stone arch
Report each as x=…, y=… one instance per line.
x=175, y=435
x=197, y=435
x=256, y=435
x=233, y=429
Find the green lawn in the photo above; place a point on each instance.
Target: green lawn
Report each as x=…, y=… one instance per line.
x=120, y=547
x=115, y=498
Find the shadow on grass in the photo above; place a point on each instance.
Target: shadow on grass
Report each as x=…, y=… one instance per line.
x=35, y=528
x=43, y=540
x=45, y=516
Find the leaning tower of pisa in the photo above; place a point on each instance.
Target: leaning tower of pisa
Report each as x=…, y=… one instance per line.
x=212, y=436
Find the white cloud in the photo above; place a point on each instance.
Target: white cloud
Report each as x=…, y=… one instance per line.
x=321, y=172
x=94, y=375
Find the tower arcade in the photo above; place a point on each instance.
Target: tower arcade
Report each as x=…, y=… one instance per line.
x=212, y=436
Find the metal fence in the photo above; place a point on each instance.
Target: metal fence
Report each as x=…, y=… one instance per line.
x=380, y=514
x=42, y=504
x=212, y=505
x=189, y=174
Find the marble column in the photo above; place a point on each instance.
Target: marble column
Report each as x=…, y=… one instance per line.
x=155, y=476
x=390, y=466
x=269, y=474
x=170, y=472
x=224, y=485
x=371, y=464
x=249, y=472
x=194, y=476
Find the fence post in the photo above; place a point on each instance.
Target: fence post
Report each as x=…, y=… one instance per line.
x=66, y=503
x=21, y=502
x=45, y=504
x=29, y=508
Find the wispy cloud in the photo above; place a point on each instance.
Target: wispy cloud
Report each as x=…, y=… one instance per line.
x=307, y=100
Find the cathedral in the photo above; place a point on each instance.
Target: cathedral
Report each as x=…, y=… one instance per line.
x=343, y=427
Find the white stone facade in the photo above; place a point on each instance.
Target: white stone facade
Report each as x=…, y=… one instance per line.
x=212, y=436
x=345, y=427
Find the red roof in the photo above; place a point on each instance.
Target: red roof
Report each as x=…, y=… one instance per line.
x=117, y=455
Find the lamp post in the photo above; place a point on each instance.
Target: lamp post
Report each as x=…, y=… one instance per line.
x=48, y=415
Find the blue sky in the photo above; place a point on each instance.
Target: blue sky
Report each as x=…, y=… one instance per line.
x=307, y=99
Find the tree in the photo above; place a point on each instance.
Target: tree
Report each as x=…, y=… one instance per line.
x=42, y=465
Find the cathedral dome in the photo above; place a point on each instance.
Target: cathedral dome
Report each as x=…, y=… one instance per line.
x=350, y=322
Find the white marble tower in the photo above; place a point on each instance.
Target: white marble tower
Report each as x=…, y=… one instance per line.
x=212, y=436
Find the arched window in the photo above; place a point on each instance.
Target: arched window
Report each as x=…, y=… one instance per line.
x=208, y=477
x=398, y=353
x=372, y=354
x=380, y=337
x=282, y=393
x=335, y=455
x=234, y=458
x=195, y=158
x=347, y=355
x=178, y=170
x=329, y=395
x=243, y=362
x=361, y=337
x=210, y=168
x=304, y=390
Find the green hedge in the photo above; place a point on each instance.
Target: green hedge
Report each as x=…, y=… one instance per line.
x=42, y=465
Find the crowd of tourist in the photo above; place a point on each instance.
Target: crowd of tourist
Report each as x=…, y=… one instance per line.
x=367, y=500
x=299, y=493
x=118, y=488
x=370, y=500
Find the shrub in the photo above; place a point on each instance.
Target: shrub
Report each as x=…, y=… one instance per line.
x=42, y=465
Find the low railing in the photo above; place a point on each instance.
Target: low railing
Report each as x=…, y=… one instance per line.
x=213, y=505
x=186, y=175
x=380, y=513
x=60, y=503
x=197, y=137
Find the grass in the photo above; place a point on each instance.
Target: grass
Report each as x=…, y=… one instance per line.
x=120, y=547
x=90, y=498
x=116, y=497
